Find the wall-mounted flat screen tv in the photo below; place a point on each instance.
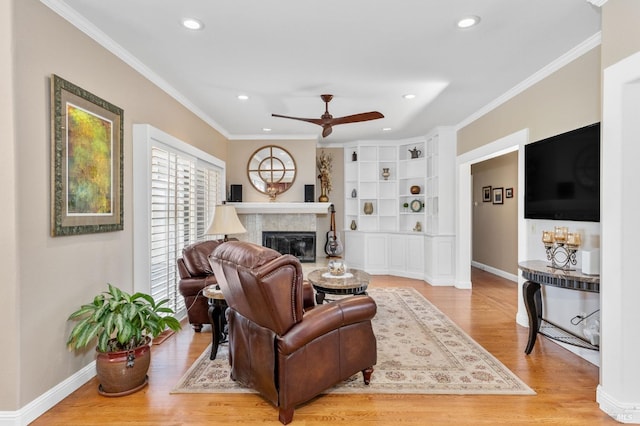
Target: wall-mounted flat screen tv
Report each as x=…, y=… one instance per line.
x=562, y=176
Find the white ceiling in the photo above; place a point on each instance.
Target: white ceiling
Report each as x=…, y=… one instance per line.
x=368, y=53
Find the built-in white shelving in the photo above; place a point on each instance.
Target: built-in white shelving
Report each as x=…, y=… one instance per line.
x=403, y=231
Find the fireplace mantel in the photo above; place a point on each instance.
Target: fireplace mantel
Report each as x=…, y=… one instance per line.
x=281, y=208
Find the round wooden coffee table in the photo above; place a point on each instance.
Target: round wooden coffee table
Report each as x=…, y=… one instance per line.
x=354, y=281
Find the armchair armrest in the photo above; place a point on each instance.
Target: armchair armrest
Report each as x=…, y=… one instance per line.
x=326, y=318
x=308, y=296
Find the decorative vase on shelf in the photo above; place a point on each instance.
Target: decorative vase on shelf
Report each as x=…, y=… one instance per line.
x=415, y=189
x=353, y=225
x=323, y=198
x=368, y=208
x=354, y=156
x=354, y=193
x=385, y=173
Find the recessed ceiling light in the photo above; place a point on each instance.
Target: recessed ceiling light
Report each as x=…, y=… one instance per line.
x=266, y=129
x=243, y=97
x=386, y=129
x=468, y=21
x=192, y=24
x=409, y=96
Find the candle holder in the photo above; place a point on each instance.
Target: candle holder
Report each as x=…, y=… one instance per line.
x=561, y=247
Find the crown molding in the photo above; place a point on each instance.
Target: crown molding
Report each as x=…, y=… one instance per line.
x=105, y=41
x=598, y=3
x=584, y=47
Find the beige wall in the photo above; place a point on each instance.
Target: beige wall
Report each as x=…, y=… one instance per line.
x=620, y=30
x=566, y=100
x=495, y=226
x=9, y=296
x=302, y=151
x=53, y=276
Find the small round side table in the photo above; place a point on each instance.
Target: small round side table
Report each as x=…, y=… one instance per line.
x=217, y=308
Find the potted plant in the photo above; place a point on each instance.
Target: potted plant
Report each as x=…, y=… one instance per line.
x=123, y=326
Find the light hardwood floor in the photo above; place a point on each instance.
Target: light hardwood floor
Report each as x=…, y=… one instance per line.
x=565, y=384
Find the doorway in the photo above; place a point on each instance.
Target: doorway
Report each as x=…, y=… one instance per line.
x=513, y=142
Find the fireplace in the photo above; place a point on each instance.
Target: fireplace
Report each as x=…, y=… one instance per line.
x=300, y=244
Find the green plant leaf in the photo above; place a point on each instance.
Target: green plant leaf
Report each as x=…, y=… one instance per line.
x=120, y=321
x=84, y=309
x=172, y=323
x=87, y=335
x=103, y=341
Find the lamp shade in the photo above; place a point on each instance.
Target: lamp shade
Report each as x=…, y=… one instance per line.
x=225, y=221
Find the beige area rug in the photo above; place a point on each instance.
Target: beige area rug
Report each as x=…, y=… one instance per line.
x=420, y=351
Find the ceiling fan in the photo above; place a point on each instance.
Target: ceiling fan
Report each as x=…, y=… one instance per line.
x=327, y=121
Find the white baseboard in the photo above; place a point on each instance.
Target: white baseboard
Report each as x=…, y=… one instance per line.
x=44, y=402
x=495, y=271
x=620, y=411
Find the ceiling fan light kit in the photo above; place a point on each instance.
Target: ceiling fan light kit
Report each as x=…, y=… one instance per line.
x=327, y=121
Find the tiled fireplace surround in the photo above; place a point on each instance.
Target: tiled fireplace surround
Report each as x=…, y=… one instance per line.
x=257, y=223
x=299, y=217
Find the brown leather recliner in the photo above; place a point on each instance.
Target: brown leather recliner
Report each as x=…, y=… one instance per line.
x=195, y=274
x=287, y=353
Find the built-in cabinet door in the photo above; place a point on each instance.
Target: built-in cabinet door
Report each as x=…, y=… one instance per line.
x=415, y=256
x=439, y=255
x=397, y=249
x=375, y=247
x=406, y=255
x=355, y=249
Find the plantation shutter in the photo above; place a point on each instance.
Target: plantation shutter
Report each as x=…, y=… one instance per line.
x=184, y=192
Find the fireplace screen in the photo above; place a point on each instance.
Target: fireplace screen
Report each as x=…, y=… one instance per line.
x=300, y=244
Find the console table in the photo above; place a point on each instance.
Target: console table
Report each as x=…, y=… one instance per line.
x=538, y=273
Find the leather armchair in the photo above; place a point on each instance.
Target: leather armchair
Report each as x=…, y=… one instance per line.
x=195, y=274
x=287, y=352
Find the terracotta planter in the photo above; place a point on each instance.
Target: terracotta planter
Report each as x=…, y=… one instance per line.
x=122, y=373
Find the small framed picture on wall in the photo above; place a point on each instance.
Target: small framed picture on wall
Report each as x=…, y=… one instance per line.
x=508, y=193
x=497, y=196
x=486, y=194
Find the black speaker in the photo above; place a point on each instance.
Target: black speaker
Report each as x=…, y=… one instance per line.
x=235, y=194
x=309, y=193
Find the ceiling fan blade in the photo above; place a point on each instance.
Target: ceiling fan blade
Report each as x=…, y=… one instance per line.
x=355, y=118
x=327, y=121
x=317, y=121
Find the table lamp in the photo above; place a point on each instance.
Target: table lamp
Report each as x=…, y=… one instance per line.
x=225, y=222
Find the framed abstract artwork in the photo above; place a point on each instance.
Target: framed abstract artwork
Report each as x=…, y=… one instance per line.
x=86, y=161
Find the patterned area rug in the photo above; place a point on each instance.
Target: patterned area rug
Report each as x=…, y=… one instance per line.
x=420, y=351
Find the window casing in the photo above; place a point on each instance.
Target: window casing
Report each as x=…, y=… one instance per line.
x=174, y=199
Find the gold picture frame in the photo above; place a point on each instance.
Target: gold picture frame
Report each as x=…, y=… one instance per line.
x=87, y=162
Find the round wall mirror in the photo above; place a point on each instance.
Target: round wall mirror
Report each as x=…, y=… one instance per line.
x=271, y=170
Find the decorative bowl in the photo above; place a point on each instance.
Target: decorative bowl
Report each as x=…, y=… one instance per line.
x=337, y=267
